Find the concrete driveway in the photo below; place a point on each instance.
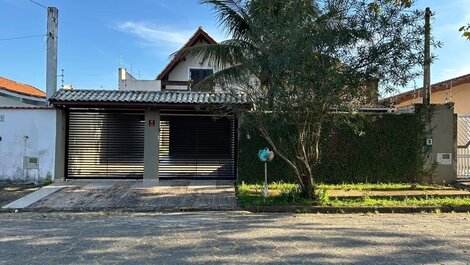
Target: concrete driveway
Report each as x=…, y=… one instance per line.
x=98, y=195
x=234, y=238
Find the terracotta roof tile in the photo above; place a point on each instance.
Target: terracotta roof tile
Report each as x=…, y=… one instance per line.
x=20, y=88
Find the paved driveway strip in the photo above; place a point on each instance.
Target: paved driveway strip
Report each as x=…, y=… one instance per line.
x=234, y=238
x=101, y=195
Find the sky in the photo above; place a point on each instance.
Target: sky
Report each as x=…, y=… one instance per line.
x=98, y=37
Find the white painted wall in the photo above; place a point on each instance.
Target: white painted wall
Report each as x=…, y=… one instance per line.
x=127, y=82
x=181, y=70
x=12, y=102
x=27, y=132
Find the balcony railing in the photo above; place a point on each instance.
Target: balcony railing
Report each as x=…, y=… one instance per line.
x=189, y=85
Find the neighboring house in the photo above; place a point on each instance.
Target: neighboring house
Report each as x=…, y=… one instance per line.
x=15, y=94
x=149, y=129
x=182, y=73
x=456, y=90
x=27, y=133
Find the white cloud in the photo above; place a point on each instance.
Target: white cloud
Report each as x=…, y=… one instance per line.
x=449, y=73
x=152, y=35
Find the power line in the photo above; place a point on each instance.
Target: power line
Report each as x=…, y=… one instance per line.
x=23, y=37
x=39, y=4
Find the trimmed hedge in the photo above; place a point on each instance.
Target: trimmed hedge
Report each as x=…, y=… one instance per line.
x=378, y=148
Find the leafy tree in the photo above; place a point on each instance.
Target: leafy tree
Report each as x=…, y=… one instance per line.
x=298, y=61
x=465, y=31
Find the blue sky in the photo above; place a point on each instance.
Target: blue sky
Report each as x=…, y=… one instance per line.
x=95, y=35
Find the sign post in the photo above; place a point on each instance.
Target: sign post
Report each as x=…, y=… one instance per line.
x=265, y=155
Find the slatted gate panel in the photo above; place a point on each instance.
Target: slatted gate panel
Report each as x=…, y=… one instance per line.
x=194, y=147
x=105, y=144
x=463, y=147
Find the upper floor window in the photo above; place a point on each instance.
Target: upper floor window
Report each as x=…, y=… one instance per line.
x=196, y=74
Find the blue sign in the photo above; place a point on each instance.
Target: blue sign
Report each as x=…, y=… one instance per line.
x=265, y=155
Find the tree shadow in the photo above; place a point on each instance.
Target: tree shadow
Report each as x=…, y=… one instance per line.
x=215, y=237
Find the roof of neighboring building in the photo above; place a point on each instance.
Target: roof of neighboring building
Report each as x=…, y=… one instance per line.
x=20, y=88
x=64, y=97
x=441, y=86
x=199, y=34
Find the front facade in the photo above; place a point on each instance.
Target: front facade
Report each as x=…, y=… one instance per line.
x=181, y=73
x=149, y=129
x=456, y=90
x=16, y=94
x=27, y=133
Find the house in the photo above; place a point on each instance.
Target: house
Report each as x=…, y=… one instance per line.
x=181, y=73
x=27, y=133
x=15, y=94
x=150, y=129
x=456, y=90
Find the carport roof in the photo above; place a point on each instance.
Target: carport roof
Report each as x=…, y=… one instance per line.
x=82, y=96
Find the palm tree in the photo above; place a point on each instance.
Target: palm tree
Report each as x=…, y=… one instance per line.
x=298, y=59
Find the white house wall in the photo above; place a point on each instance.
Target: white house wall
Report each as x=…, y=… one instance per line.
x=181, y=70
x=12, y=102
x=128, y=82
x=27, y=132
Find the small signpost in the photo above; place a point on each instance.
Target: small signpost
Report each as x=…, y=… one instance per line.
x=265, y=155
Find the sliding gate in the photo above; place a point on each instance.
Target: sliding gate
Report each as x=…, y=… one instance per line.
x=197, y=147
x=110, y=144
x=105, y=144
x=463, y=147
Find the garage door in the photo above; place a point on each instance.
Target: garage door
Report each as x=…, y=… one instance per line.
x=197, y=147
x=105, y=144
x=111, y=145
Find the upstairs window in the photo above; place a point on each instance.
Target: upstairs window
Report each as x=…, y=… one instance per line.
x=197, y=75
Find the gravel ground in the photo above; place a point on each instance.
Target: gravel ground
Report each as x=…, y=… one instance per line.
x=234, y=238
x=10, y=191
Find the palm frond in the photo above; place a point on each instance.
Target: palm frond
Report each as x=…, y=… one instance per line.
x=231, y=15
x=220, y=55
x=229, y=77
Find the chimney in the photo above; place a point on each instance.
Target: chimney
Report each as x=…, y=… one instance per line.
x=51, y=55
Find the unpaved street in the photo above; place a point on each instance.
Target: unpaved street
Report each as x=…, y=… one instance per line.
x=234, y=238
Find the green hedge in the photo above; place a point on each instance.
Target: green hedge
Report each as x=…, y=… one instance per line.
x=387, y=149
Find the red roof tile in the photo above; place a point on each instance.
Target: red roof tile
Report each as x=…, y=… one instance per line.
x=20, y=88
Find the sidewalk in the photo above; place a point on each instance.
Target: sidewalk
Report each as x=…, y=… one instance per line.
x=105, y=195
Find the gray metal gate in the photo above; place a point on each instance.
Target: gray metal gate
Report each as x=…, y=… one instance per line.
x=463, y=147
x=197, y=147
x=105, y=144
x=110, y=144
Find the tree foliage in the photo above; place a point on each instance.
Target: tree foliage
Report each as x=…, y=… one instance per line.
x=300, y=60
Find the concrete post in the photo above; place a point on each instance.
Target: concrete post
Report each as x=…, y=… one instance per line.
x=443, y=130
x=151, y=145
x=51, y=55
x=60, y=139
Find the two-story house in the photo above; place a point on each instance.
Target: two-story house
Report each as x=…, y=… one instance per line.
x=149, y=129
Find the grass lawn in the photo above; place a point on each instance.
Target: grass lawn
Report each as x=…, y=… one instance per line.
x=281, y=194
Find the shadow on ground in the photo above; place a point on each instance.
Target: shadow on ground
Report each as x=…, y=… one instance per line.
x=234, y=238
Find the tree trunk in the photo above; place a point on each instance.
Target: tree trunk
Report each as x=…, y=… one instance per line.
x=308, y=190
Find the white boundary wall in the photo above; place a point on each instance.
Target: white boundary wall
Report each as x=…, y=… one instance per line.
x=27, y=132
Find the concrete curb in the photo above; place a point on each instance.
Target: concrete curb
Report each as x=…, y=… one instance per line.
x=266, y=209
x=117, y=210
x=362, y=209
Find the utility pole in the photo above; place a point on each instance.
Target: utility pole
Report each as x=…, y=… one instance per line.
x=51, y=55
x=427, y=58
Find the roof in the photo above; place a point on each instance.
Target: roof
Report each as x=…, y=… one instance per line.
x=441, y=86
x=20, y=88
x=199, y=34
x=101, y=97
